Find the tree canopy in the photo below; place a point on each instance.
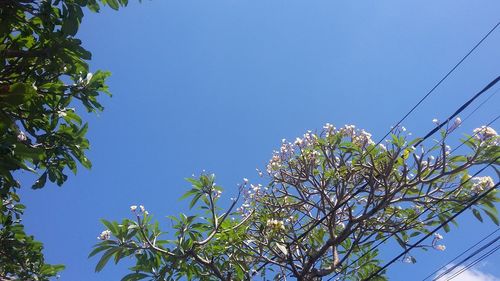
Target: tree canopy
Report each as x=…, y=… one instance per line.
x=329, y=198
x=45, y=81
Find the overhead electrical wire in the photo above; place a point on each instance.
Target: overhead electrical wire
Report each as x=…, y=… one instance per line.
x=406, y=115
x=461, y=254
x=480, y=105
x=429, y=134
x=449, y=269
x=441, y=81
x=447, y=121
x=459, y=110
x=414, y=219
x=465, y=105
x=462, y=270
x=445, y=222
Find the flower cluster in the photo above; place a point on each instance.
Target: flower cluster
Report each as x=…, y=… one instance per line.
x=133, y=209
x=484, y=133
x=253, y=193
x=439, y=247
x=479, y=184
x=216, y=194
x=105, y=235
x=303, y=146
x=275, y=225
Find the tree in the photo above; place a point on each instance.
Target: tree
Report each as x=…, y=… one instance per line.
x=44, y=77
x=330, y=197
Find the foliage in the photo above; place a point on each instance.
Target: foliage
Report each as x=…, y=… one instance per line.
x=329, y=199
x=44, y=78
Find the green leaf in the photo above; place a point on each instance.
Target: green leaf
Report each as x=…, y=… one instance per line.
x=40, y=182
x=134, y=276
x=477, y=215
x=493, y=216
x=446, y=227
x=195, y=199
x=110, y=226
x=105, y=258
x=18, y=93
x=99, y=249
x=113, y=4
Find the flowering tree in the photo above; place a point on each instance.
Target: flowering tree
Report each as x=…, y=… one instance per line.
x=330, y=197
x=44, y=75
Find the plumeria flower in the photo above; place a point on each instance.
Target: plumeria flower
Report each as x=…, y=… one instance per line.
x=440, y=247
x=133, y=208
x=105, y=235
x=484, y=133
x=435, y=121
x=438, y=236
x=21, y=136
x=142, y=208
x=88, y=78
x=479, y=184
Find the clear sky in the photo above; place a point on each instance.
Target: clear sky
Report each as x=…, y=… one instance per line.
x=217, y=84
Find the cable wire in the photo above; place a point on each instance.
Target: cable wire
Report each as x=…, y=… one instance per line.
x=414, y=219
x=482, y=248
x=480, y=105
x=448, y=220
x=461, y=254
x=440, y=81
x=474, y=263
x=423, y=139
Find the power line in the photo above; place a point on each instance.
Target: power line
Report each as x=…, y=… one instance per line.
x=460, y=109
x=461, y=254
x=440, y=81
x=482, y=248
x=480, y=105
x=407, y=223
x=423, y=139
x=475, y=200
x=405, y=116
x=491, y=84
x=474, y=262
x=465, y=105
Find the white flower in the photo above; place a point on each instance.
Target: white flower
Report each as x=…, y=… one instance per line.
x=105, y=235
x=142, y=208
x=438, y=236
x=440, y=247
x=484, y=133
x=21, y=136
x=245, y=180
x=457, y=122
x=133, y=208
x=88, y=78
x=259, y=172
x=275, y=224
x=481, y=183
x=217, y=194
x=435, y=121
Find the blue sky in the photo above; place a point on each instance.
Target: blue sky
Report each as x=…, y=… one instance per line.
x=216, y=85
